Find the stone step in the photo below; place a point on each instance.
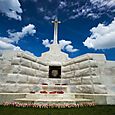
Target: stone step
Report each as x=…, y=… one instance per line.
x=53, y=100
x=50, y=96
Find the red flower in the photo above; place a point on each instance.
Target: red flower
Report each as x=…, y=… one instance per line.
x=52, y=92
x=60, y=92
x=43, y=92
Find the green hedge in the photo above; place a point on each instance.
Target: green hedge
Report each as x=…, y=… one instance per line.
x=97, y=110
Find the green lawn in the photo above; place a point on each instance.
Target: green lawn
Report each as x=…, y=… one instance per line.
x=97, y=110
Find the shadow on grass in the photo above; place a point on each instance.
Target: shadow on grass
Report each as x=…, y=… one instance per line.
x=97, y=110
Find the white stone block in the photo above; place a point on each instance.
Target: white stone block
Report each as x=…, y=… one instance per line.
x=110, y=71
x=35, y=65
x=16, y=78
x=97, y=57
x=78, y=59
x=43, y=68
x=96, y=80
x=42, y=62
x=66, y=69
x=70, y=74
x=100, y=89
x=16, y=88
x=16, y=61
x=90, y=80
x=25, y=62
x=29, y=57
x=15, y=69
x=3, y=78
x=86, y=80
x=27, y=71
x=68, y=62
x=88, y=63
x=76, y=81
x=24, y=88
x=9, y=54
x=82, y=58
x=5, y=66
x=10, y=88
x=12, y=78
x=86, y=72
x=74, y=66
x=22, y=79
x=42, y=74
x=32, y=80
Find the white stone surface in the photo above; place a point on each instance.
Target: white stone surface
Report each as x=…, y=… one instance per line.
x=86, y=72
x=42, y=74
x=25, y=62
x=54, y=54
x=32, y=80
x=35, y=65
x=90, y=73
x=43, y=68
x=27, y=71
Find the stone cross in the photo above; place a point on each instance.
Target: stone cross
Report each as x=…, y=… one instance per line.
x=55, y=22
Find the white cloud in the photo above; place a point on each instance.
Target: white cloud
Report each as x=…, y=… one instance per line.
x=50, y=0
x=62, y=4
x=73, y=9
x=65, y=45
x=46, y=43
x=6, y=42
x=41, y=9
x=27, y=30
x=47, y=17
x=8, y=46
x=11, y=8
x=94, y=10
x=70, y=48
x=50, y=17
x=6, y=39
x=5, y=45
x=93, y=15
x=103, y=3
x=102, y=37
x=84, y=10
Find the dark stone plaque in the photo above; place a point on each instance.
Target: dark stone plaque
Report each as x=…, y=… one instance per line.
x=54, y=71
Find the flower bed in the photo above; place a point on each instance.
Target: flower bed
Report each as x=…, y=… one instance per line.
x=60, y=92
x=86, y=110
x=43, y=92
x=44, y=84
x=52, y=92
x=15, y=104
x=33, y=92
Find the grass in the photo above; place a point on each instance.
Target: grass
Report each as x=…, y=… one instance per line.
x=97, y=110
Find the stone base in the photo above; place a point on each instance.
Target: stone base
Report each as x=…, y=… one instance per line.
x=9, y=97
x=51, y=99
x=99, y=99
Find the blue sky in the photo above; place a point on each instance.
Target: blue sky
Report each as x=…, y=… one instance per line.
x=87, y=26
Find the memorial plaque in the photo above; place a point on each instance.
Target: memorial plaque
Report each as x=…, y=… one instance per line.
x=54, y=71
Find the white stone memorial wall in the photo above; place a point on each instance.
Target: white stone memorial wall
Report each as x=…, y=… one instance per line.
x=20, y=71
